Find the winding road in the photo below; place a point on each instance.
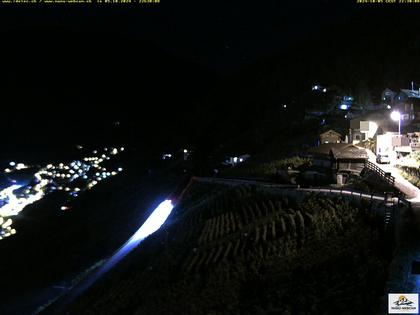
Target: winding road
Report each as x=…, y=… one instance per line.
x=411, y=191
x=407, y=237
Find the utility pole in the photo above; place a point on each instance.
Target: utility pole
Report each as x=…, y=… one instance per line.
x=399, y=126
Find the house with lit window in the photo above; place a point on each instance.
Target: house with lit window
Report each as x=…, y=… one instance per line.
x=338, y=158
x=407, y=102
x=329, y=136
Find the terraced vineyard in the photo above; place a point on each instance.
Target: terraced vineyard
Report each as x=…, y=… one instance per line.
x=244, y=251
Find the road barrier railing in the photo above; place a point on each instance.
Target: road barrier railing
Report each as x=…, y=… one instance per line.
x=375, y=168
x=386, y=197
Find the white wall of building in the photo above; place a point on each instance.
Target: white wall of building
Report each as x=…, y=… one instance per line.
x=384, y=143
x=369, y=128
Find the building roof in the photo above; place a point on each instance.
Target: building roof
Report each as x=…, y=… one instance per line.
x=350, y=152
x=325, y=149
x=331, y=131
x=411, y=93
x=338, y=151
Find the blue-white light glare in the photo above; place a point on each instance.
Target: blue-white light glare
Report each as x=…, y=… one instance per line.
x=395, y=115
x=154, y=221
x=151, y=225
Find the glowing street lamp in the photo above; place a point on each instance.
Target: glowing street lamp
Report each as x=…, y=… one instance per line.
x=397, y=116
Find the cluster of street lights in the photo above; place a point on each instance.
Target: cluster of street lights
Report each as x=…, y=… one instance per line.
x=15, y=167
x=6, y=229
x=72, y=178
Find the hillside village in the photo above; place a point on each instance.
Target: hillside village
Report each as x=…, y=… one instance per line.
x=393, y=124
x=385, y=134
x=357, y=145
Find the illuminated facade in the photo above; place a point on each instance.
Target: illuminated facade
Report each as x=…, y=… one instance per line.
x=329, y=136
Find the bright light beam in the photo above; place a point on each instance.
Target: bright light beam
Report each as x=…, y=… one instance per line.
x=153, y=222
x=151, y=225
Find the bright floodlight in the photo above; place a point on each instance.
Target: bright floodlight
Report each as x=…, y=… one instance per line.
x=395, y=115
x=155, y=220
x=152, y=224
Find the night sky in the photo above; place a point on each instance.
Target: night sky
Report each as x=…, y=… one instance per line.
x=220, y=36
x=69, y=73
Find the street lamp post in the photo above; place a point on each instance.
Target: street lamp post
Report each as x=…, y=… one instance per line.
x=397, y=116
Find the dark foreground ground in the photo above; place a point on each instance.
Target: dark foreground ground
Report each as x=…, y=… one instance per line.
x=246, y=251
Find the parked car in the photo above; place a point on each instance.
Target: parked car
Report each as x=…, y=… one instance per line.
x=383, y=159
